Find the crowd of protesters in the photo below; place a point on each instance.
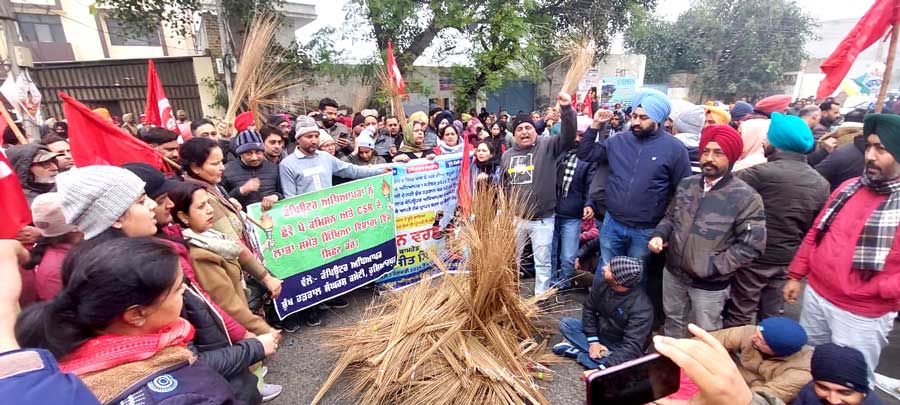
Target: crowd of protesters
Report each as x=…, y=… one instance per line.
x=145, y=285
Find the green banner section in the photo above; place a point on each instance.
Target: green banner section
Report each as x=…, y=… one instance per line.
x=311, y=230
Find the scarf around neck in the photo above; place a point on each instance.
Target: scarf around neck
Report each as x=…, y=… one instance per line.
x=409, y=141
x=215, y=242
x=446, y=150
x=877, y=236
x=108, y=351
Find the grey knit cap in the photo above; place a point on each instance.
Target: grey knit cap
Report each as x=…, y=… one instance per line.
x=95, y=197
x=690, y=121
x=305, y=124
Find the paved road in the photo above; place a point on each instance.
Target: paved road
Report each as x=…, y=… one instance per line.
x=301, y=364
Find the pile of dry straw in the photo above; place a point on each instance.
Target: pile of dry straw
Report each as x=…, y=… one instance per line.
x=457, y=339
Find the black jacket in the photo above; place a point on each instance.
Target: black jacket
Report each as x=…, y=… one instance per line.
x=622, y=319
x=793, y=194
x=213, y=348
x=845, y=163
x=237, y=173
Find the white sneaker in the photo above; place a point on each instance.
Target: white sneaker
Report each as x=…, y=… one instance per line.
x=270, y=391
x=889, y=385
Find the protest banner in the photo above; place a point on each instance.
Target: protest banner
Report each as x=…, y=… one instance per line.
x=618, y=90
x=329, y=242
x=425, y=198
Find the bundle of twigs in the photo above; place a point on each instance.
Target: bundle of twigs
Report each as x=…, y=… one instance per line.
x=458, y=339
x=363, y=95
x=260, y=78
x=393, y=92
x=580, y=57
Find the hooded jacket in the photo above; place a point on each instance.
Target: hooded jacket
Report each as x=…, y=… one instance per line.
x=643, y=173
x=20, y=156
x=532, y=171
x=793, y=193
x=712, y=234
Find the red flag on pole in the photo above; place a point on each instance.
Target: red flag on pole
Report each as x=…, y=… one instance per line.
x=867, y=30
x=95, y=141
x=394, y=70
x=13, y=206
x=158, y=111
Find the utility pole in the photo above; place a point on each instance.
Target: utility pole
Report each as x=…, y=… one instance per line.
x=10, y=39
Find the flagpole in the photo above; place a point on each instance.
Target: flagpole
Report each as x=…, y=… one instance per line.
x=12, y=125
x=889, y=65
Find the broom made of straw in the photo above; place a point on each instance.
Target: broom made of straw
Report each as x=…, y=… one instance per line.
x=393, y=92
x=458, y=339
x=260, y=78
x=580, y=57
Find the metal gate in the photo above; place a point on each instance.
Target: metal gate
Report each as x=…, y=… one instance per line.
x=513, y=97
x=117, y=85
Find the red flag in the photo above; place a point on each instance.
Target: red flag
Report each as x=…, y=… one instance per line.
x=158, y=110
x=3, y=126
x=13, y=206
x=394, y=70
x=588, y=105
x=872, y=26
x=464, y=189
x=95, y=141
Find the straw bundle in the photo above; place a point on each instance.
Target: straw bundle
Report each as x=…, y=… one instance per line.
x=363, y=95
x=393, y=92
x=580, y=56
x=457, y=339
x=260, y=77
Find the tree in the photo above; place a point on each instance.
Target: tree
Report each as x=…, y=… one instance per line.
x=748, y=56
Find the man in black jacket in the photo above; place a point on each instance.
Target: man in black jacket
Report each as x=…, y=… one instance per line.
x=252, y=178
x=615, y=322
x=792, y=194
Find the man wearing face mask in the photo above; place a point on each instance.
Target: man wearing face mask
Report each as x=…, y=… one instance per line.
x=645, y=166
x=252, y=178
x=714, y=225
x=773, y=357
x=849, y=256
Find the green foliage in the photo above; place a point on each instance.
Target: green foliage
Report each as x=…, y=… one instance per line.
x=762, y=40
x=143, y=17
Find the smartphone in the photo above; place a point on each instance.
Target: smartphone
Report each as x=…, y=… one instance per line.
x=636, y=382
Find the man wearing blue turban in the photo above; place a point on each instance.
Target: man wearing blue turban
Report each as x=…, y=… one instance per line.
x=645, y=166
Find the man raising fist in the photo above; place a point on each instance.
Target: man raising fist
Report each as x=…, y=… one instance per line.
x=529, y=168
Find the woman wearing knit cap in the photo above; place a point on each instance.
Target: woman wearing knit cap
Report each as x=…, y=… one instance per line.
x=106, y=201
x=57, y=238
x=838, y=377
x=714, y=225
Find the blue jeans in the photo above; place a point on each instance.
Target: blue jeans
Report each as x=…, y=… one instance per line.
x=540, y=231
x=566, y=235
x=573, y=331
x=619, y=240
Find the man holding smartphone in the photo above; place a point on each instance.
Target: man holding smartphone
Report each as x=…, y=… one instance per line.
x=616, y=320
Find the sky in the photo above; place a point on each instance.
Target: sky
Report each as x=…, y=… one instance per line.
x=331, y=13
